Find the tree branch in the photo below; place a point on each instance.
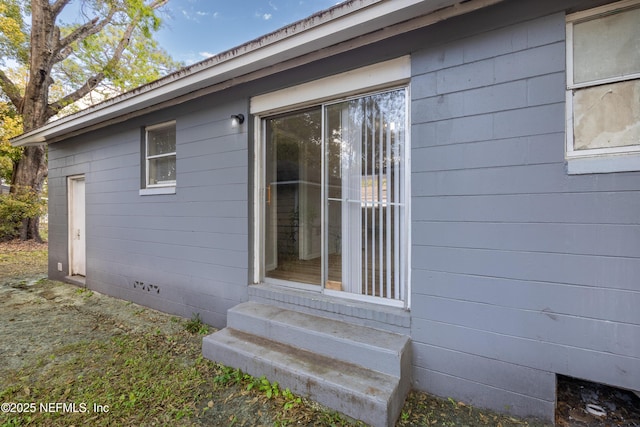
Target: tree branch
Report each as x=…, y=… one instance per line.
x=158, y=3
x=76, y=95
x=57, y=7
x=11, y=90
x=63, y=48
x=95, y=80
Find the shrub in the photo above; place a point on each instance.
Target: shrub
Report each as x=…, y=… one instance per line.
x=16, y=207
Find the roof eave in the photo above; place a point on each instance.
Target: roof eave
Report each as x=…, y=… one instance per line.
x=327, y=28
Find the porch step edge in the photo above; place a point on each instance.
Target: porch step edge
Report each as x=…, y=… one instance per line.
x=360, y=393
x=378, y=316
x=383, y=351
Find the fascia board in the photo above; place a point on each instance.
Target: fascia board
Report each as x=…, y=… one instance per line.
x=349, y=21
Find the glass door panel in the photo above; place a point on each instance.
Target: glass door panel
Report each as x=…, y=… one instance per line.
x=365, y=149
x=293, y=197
x=335, y=209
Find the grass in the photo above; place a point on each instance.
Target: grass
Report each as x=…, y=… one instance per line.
x=140, y=378
x=146, y=379
x=156, y=376
x=150, y=375
x=195, y=325
x=20, y=260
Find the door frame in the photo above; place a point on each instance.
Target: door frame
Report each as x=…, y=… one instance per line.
x=384, y=76
x=72, y=200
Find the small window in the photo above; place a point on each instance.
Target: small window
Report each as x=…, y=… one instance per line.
x=603, y=89
x=160, y=155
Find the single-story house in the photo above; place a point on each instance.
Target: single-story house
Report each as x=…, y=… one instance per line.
x=441, y=195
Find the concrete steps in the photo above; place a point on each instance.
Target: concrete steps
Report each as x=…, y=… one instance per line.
x=359, y=371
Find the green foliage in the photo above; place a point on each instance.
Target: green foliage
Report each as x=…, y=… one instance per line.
x=195, y=325
x=139, y=377
x=10, y=126
x=291, y=400
x=262, y=384
x=228, y=376
x=13, y=31
x=94, y=53
x=143, y=60
x=14, y=208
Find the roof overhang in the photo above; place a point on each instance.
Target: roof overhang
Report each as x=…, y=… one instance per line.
x=321, y=35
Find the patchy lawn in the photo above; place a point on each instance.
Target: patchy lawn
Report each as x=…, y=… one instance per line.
x=22, y=260
x=70, y=356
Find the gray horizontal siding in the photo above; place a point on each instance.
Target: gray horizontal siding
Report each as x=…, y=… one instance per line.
x=546, y=298
x=602, y=207
x=519, y=271
x=572, y=239
x=605, y=272
x=542, y=355
x=192, y=246
x=484, y=395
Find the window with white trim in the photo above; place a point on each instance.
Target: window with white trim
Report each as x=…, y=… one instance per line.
x=603, y=89
x=334, y=192
x=160, y=155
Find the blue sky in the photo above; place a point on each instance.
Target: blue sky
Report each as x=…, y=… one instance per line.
x=196, y=29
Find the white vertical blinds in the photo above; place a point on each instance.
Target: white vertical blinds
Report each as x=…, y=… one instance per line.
x=372, y=166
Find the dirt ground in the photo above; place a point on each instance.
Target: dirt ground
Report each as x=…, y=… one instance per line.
x=585, y=404
x=39, y=315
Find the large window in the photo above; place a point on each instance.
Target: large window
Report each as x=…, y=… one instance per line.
x=160, y=155
x=335, y=196
x=603, y=88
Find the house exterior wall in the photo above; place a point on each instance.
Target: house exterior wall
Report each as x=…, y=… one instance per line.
x=519, y=270
x=182, y=253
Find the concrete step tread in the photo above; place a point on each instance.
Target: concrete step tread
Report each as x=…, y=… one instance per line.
x=301, y=364
x=366, y=337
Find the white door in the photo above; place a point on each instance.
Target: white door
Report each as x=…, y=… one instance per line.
x=77, y=255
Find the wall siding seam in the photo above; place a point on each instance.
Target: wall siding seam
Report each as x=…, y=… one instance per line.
x=480, y=168
x=517, y=337
x=526, y=280
x=524, y=79
x=541, y=282
x=527, y=396
x=523, y=251
x=164, y=260
x=521, y=222
x=480, y=356
x=492, y=114
x=506, y=193
x=416, y=72
x=544, y=311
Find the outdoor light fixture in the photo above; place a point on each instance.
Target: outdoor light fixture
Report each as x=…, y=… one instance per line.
x=237, y=119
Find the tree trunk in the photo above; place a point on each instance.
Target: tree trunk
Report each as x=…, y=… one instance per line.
x=30, y=172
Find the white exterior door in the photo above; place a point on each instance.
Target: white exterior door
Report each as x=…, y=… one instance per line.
x=77, y=245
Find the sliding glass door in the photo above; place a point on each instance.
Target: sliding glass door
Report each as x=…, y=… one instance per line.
x=293, y=180
x=335, y=211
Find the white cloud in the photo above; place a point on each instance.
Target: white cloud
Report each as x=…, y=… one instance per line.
x=194, y=16
x=273, y=6
x=206, y=54
x=266, y=16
